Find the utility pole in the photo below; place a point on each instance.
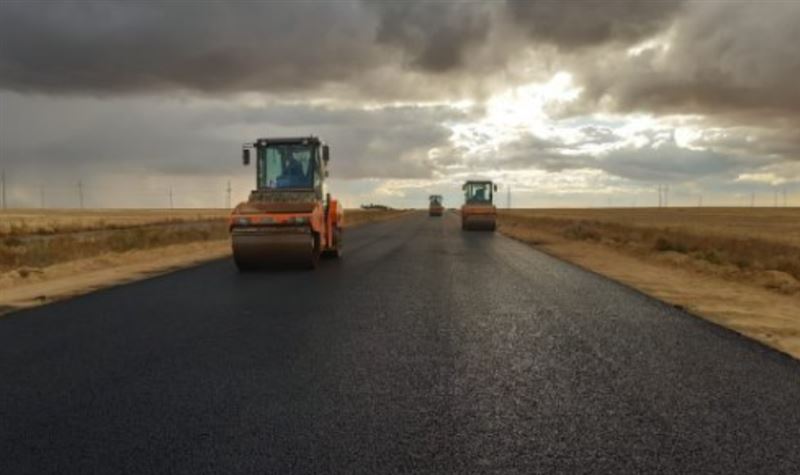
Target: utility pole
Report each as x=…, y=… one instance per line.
x=170, y=199
x=41, y=196
x=663, y=196
x=784, y=197
x=752, y=199
x=508, y=197
x=228, y=200
x=3, y=188
x=80, y=192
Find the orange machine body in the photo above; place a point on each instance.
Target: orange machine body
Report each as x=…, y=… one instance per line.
x=273, y=217
x=478, y=212
x=435, y=207
x=479, y=216
x=288, y=219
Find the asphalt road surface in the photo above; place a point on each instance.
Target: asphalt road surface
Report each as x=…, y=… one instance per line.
x=425, y=350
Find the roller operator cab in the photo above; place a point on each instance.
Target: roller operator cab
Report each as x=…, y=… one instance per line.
x=289, y=219
x=478, y=211
x=435, y=207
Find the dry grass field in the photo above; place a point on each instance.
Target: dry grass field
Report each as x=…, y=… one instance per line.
x=55, y=221
x=51, y=254
x=769, y=224
x=748, y=242
x=738, y=267
x=34, y=239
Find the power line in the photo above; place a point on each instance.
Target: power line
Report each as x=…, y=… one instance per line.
x=663, y=196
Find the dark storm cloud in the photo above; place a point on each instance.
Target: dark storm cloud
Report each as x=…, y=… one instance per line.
x=584, y=23
x=110, y=47
x=723, y=56
x=666, y=163
x=660, y=159
x=733, y=63
x=436, y=35
x=157, y=136
x=738, y=59
x=115, y=46
x=543, y=154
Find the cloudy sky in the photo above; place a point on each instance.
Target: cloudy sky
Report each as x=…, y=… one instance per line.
x=567, y=103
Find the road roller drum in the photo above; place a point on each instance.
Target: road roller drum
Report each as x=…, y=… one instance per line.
x=479, y=222
x=274, y=248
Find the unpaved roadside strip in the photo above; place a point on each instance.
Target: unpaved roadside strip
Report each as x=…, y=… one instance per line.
x=78, y=277
x=74, y=278
x=763, y=315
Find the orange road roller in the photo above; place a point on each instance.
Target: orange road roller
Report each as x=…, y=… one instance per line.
x=435, y=208
x=478, y=213
x=288, y=220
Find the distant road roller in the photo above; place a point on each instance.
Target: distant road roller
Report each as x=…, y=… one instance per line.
x=289, y=220
x=435, y=208
x=478, y=213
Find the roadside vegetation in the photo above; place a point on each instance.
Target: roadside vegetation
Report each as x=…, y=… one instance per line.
x=53, y=221
x=33, y=241
x=759, y=245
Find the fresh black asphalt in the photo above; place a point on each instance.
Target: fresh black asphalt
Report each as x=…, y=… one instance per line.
x=424, y=350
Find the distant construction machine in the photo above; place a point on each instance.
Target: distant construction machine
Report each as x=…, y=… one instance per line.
x=289, y=219
x=435, y=208
x=478, y=212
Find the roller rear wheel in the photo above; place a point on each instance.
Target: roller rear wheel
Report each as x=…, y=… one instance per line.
x=336, y=252
x=315, y=253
